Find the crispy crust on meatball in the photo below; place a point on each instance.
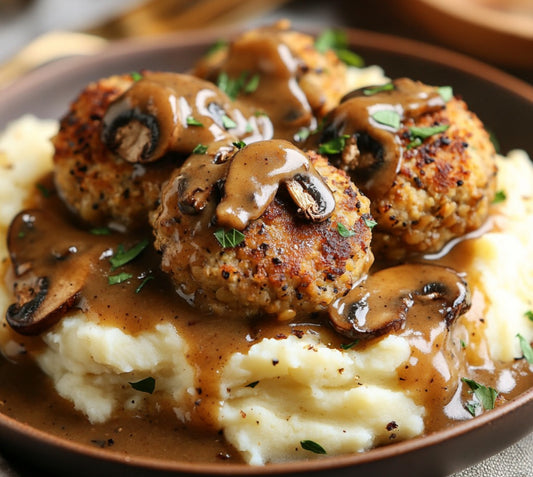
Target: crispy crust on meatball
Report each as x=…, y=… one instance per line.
x=443, y=189
x=285, y=265
x=96, y=184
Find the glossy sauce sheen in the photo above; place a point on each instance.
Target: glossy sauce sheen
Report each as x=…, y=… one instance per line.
x=27, y=396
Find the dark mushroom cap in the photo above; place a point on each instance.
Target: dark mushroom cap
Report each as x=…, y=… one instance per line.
x=383, y=301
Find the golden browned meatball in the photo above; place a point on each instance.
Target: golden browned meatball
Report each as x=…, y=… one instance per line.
x=427, y=165
x=283, y=260
x=280, y=72
x=95, y=183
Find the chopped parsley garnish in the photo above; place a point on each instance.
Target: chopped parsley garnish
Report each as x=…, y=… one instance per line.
x=143, y=283
x=228, y=123
x=337, y=40
x=529, y=315
x=387, y=117
x=344, y=231
x=446, y=93
x=239, y=144
x=252, y=384
x=136, y=76
x=346, y=346
x=312, y=446
x=472, y=407
x=193, y=122
x=525, y=346
x=252, y=84
x=146, y=385
x=463, y=344
x=249, y=128
x=378, y=89
x=418, y=134
x=232, y=87
x=426, y=132
x=123, y=256
x=485, y=395
x=45, y=192
x=100, y=231
x=199, y=149
x=229, y=238
x=494, y=141
x=119, y=278
x=333, y=146
x=499, y=197
x=217, y=46
x=370, y=223
x=302, y=134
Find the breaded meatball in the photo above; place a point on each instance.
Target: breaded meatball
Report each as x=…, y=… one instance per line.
x=443, y=189
x=427, y=165
x=296, y=82
x=285, y=264
x=100, y=187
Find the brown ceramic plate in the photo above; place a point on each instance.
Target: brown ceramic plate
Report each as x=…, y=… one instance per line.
x=497, y=30
x=505, y=105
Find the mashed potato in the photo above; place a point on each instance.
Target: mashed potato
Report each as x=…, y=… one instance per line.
x=281, y=391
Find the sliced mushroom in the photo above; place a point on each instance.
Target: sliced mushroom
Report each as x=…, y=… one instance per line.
x=376, y=158
x=168, y=112
x=49, y=271
x=383, y=302
x=254, y=176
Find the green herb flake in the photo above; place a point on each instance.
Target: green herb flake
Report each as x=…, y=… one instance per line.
x=525, y=346
x=472, y=407
x=229, y=238
x=302, y=134
x=499, y=197
x=463, y=344
x=387, y=117
x=333, y=146
x=193, y=122
x=217, y=46
x=346, y=346
x=252, y=384
x=414, y=143
x=122, y=256
x=119, y=278
x=424, y=133
x=252, y=84
x=228, y=123
x=378, y=89
x=485, y=395
x=331, y=39
x=446, y=93
x=232, y=87
x=369, y=222
x=529, y=315
x=144, y=282
x=312, y=446
x=100, y=231
x=249, y=128
x=344, y=231
x=136, y=76
x=239, y=144
x=146, y=385
x=199, y=149
x=350, y=58
x=45, y=192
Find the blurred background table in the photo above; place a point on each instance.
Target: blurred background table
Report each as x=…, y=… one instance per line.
x=23, y=21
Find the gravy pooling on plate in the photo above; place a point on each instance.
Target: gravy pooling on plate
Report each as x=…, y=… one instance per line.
x=186, y=258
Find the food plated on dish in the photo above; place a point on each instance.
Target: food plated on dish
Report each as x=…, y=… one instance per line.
x=287, y=256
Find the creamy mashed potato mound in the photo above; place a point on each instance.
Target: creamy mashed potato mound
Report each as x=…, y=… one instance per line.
x=282, y=391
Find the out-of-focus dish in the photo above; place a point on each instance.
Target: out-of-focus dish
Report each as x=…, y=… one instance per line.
x=232, y=469
x=498, y=31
